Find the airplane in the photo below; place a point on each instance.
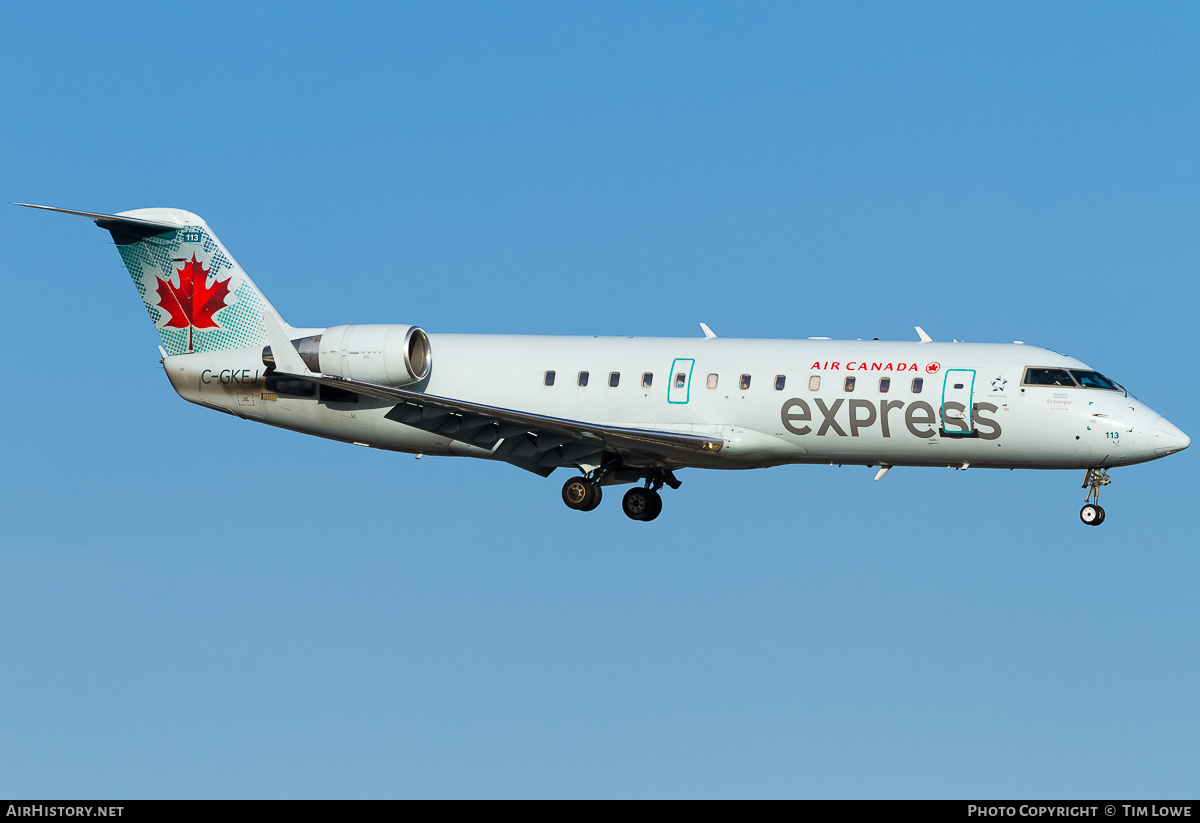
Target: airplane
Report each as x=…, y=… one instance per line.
x=623, y=410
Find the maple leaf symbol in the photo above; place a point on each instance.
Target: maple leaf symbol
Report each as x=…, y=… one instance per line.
x=192, y=304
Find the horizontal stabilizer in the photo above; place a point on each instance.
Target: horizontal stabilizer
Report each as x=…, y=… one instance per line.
x=108, y=218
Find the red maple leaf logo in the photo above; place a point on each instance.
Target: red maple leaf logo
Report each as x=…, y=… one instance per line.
x=192, y=304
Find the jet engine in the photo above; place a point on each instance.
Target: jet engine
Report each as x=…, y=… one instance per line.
x=393, y=355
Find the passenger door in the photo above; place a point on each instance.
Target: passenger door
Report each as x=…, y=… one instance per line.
x=957, y=393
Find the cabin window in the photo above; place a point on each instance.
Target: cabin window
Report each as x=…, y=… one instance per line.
x=583, y=378
x=647, y=380
x=680, y=380
x=918, y=384
x=850, y=381
x=780, y=380
x=712, y=381
x=1094, y=380
x=744, y=382
x=885, y=383
x=814, y=382
x=1048, y=377
x=549, y=378
x=613, y=379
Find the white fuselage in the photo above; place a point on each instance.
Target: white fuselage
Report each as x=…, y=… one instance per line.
x=813, y=418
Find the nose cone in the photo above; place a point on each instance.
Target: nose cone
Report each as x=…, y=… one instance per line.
x=1168, y=439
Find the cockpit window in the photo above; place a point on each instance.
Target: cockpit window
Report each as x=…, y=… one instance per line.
x=1048, y=377
x=1094, y=380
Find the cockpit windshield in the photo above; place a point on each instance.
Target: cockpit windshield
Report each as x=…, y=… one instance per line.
x=1048, y=377
x=1094, y=380
x=1069, y=377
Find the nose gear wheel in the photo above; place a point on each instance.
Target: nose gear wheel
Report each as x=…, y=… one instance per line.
x=1091, y=513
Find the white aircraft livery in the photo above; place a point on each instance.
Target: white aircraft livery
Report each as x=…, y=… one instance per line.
x=623, y=410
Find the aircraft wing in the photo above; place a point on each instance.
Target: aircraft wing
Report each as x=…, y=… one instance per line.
x=532, y=441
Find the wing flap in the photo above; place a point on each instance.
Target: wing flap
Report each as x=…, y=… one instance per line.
x=529, y=439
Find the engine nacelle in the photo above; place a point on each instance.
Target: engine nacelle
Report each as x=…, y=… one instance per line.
x=391, y=354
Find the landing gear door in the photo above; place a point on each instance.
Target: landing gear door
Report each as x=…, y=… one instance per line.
x=679, y=389
x=957, y=408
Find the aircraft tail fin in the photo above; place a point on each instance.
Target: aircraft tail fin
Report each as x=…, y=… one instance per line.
x=198, y=296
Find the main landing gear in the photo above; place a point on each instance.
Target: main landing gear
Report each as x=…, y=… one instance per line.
x=1091, y=513
x=642, y=504
x=581, y=494
x=639, y=503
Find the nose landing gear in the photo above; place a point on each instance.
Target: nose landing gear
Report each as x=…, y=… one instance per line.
x=1091, y=513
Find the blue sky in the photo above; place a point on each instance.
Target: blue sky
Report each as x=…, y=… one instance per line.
x=195, y=606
